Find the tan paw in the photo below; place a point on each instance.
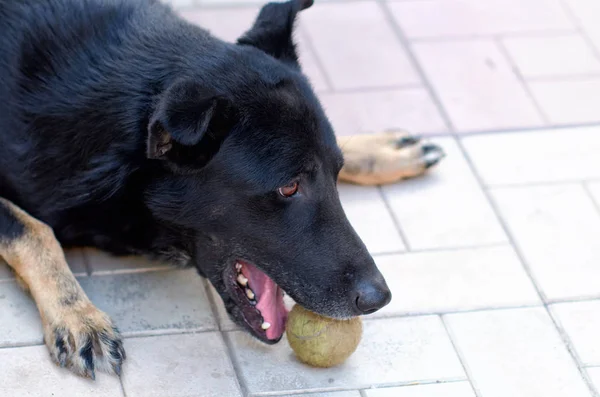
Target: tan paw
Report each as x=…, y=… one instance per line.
x=83, y=339
x=385, y=158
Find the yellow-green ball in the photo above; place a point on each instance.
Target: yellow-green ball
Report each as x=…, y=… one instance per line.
x=321, y=341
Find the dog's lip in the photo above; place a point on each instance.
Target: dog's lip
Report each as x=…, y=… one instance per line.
x=251, y=316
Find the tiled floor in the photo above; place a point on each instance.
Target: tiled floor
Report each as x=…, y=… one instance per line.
x=493, y=258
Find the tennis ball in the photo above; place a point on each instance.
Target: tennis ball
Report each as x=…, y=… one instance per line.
x=321, y=341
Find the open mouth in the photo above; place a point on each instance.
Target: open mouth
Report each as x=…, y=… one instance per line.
x=260, y=300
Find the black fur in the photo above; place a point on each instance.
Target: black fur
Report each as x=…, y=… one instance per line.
x=126, y=128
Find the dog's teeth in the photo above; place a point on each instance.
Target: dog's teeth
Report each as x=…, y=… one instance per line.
x=238, y=266
x=242, y=280
x=265, y=325
x=249, y=293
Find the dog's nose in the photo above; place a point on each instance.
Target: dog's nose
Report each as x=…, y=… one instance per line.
x=372, y=296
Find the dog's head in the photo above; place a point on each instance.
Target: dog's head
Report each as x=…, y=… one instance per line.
x=251, y=165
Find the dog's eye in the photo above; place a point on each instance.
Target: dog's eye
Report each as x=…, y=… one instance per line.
x=288, y=190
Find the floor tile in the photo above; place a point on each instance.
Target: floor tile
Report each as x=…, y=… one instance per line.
x=476, y=85
x=192, y=365
x=29, y=372
x=556, y=229
x=516, y=353
x=459, y=18
x=581, y=322
x=410, y=109
x=550, y=56
x=371, y=219
x=357, y=46
x=587, y=14
x=454, y=389
x=20, y=322
x=223, y=320
x=565, y=102
x=445, y=209
x=148, y=303
x=102, y=263
x=354, y=393
x=231, y=23
x=455, y=280
x=528, y=157
x=594, y=374
x=5, y=272
x=391, y=351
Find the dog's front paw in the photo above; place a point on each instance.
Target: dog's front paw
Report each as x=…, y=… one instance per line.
x=84, y=340
x=384, y=158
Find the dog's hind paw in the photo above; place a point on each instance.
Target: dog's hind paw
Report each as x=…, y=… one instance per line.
x=385, y=158
x=84, y=340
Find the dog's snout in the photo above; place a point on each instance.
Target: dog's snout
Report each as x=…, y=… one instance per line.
x=372, y=296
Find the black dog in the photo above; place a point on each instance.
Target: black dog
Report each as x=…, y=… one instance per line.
x=125, y=128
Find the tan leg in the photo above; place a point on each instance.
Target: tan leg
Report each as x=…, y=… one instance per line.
x=78, y=335
x=385, y=158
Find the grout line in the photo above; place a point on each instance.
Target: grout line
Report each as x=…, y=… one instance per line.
x=235, y=364
x=571, y=348
x=392, y=215
x=489, y=36
x=517, y=73
x=19, y=345
x=213, y=305
x=424, y=313
x=529, y=184
x=225, y=337
x=440, y=249
x=461, y=357
x=122, y=385
x=311, y=391
x=86, y=262
x=564, y=78
x=368, y=89
x=580, y=28
x=126, y=271
x=554, y=301
x=589, y=193
x=166, y=332
x=401, y=36
x=511, y=130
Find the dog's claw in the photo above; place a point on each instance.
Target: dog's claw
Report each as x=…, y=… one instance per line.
x=379, y=159
x=432, y=154
x=407, y=141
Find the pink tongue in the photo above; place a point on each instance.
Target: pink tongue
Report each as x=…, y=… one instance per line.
x=269, y=298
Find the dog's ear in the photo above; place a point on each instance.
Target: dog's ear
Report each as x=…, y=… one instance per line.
x=273, y=30
x=188, y=125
